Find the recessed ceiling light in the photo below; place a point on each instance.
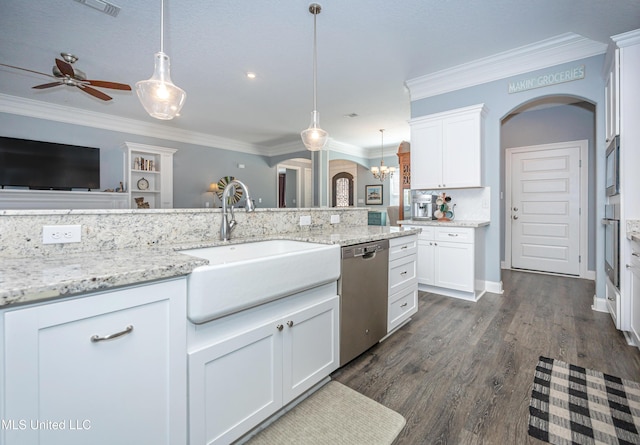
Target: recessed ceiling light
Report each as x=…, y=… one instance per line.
x=251, y=75
x=351, y=115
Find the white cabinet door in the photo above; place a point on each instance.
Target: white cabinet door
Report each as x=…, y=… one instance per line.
x=129, y=389
x=426, y=262
x=426, y=155
x=461, y=163
x=454, y=266
x=634, y=267
x=311, y=347
x=235, y=384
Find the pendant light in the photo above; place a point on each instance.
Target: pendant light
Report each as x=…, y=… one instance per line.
x=383, y=171
x=158, y=95
x=314, y=137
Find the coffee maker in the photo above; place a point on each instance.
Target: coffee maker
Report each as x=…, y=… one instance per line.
x=423, y=204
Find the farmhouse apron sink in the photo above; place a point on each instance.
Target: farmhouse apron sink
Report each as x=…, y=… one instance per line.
x=240, y=276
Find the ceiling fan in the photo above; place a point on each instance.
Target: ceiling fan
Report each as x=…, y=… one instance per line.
x=66, y=74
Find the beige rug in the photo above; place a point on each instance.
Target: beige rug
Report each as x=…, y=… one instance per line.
x=334, y=415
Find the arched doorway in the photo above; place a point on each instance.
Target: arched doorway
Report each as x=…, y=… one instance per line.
x=342, y=190
x=536, y=128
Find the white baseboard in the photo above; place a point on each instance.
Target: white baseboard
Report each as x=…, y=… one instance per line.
x=599, y=305
x=494, y=287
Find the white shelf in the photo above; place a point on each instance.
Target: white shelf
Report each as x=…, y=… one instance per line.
x=160, y=192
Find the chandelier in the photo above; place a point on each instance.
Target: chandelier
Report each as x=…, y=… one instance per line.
x=383, y=171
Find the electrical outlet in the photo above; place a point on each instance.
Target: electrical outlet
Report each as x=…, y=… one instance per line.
x=335, y=219
x=305, y=220
x=61, y=234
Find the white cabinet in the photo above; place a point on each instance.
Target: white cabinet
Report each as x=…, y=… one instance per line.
x=634, y=268
x=403, y=281
x=245, y=367
x=149, y=175
x=449, y=262
x=446, y=149
x=611, y=91
x=66, y=387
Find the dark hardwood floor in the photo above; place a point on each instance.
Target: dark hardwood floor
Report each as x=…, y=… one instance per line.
x=462, y=372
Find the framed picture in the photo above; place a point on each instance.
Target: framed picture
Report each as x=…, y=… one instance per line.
x=373, y=194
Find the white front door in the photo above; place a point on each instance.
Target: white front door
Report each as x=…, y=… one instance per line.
x=545, y=208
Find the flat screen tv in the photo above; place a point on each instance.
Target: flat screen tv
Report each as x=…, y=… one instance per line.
x=47, y=165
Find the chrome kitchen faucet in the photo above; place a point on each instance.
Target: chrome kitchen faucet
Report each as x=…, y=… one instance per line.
x=227, y=226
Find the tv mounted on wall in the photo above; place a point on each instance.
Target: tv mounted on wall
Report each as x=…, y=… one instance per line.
x=47, y=165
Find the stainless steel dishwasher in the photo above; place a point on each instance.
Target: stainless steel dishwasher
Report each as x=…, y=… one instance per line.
x=363, y=289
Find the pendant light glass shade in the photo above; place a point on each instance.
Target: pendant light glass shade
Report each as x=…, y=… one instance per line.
x=314, y=137
x=158, y=95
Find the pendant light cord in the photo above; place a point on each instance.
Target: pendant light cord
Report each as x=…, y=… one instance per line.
x=162, y=27
x=315, y=60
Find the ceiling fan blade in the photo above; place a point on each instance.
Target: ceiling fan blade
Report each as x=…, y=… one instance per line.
x=112, y=85
x=47, y=85
x=65, y=68
x=24, y=69
x=94, y=92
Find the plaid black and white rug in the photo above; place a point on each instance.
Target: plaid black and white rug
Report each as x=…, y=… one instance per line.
x=574, y=405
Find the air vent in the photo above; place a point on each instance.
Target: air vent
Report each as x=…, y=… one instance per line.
x=102, y=6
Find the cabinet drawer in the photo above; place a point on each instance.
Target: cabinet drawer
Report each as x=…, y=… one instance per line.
x=455, y=234
x=402, y=306
x=428, y=233
x=402, y=272
x=403, y=246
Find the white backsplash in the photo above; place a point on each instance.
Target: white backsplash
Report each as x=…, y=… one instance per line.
x=471, y=204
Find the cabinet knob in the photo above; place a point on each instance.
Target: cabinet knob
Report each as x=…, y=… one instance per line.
x=515, y=216
x=279, y=327
x=290, y=323
x=515, y=209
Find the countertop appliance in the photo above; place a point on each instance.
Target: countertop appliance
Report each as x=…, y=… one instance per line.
x=423, y=204
x=611, y=222
x=612, y=179
x=364, y=294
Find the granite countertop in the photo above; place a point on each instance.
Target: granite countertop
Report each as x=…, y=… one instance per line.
x=34, y=279
x=454, y=223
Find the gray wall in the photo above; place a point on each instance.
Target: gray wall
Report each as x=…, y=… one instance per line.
x=194, y=166
x=500, y=104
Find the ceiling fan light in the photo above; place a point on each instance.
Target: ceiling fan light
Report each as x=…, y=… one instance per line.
x=314, y=137
x=158, y=95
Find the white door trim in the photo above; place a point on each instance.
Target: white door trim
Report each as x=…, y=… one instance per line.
x=298, y=169
x=584, y=203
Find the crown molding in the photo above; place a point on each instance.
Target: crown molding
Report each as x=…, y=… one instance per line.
x=627, y=38
x=550, y=52
x=69, y=115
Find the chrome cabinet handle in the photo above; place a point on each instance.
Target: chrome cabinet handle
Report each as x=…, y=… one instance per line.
x=611, y=299
x=452, y=234
x=403, y=273
x=96, y=338
x=403, y=247
x=403, y=305
x=290, y=323
x=636, y=254
x=279, y=327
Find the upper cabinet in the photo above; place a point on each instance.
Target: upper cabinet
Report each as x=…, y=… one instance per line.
x=446, y=149
x=149, y=176
x=612, y=101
